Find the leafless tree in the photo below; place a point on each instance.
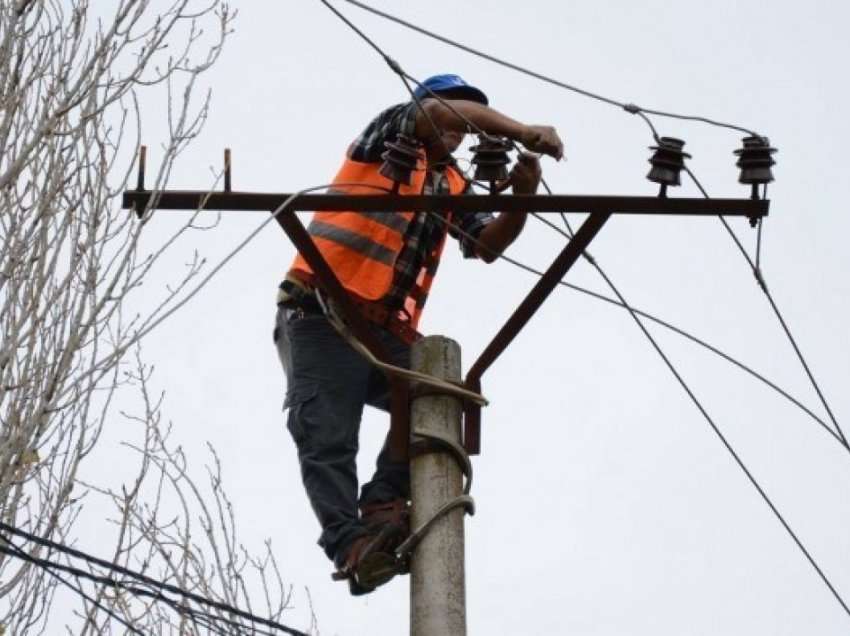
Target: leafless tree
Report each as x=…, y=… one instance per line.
x=70, y=262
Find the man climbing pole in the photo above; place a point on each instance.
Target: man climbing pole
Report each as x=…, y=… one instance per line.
x=387, y=261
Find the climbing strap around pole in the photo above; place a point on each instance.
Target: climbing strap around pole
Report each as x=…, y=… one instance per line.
x=430, y=443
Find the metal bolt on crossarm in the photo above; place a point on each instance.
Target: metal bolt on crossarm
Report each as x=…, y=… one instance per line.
x=755, y=161
x=140, y=182
x=491, y=160
x=667, y=162
x=400, y=160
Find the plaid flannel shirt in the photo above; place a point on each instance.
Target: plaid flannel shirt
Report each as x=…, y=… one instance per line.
x=424, y=231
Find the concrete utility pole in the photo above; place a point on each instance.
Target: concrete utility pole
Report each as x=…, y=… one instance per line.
x=437, y=580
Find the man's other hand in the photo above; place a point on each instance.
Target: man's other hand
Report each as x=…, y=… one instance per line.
x=526, y=173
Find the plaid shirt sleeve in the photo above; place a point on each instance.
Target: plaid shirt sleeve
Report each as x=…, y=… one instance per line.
x=369, y=145
x=470, y=224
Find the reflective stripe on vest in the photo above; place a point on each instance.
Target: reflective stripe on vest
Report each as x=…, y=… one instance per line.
x=362, y=247
x=352, y=240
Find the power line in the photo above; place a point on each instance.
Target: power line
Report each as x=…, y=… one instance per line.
x=631, y=108
x=160, y=586
x=49, y=566
x=678, y=330
x=635, y=110
x=705, y=414
x=15, y=551
x=763, y=285
x=405, y=77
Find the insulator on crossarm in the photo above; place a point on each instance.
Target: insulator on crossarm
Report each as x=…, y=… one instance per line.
x=491, y=160
x=400, y=160
x=667, y=162
x=755, y=162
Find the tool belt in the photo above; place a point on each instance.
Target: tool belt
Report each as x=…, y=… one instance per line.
x=298, y=292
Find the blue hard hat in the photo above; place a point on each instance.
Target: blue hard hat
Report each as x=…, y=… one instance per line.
x=452, y=84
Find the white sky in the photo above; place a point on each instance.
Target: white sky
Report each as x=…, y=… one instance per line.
x=605, y=503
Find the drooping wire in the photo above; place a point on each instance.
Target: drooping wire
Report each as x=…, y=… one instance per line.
x=220, y=265
x=759, y=233
x=763, y=284
x=634, y=109
x=196, y=616
x=708, y=418
x=631, y=108
x=398, y=70
x=13, y=550
x=159, y=586
x=569, y=234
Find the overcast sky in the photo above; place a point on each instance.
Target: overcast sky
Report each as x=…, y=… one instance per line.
x=605, y=503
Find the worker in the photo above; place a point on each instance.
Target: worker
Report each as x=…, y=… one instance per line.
x=387, y=262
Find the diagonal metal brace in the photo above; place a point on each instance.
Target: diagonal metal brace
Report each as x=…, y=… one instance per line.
x=529, y=306
x=399, y=391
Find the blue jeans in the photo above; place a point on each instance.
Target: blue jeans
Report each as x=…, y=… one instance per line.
x=328, y=384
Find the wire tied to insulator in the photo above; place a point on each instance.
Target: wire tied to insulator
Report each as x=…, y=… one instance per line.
x=491, y=160
x=755, y=162
x=667, y=162
x=395, y=66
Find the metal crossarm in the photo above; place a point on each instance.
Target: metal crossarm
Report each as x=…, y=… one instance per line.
x=459, y=204
x=600, y=209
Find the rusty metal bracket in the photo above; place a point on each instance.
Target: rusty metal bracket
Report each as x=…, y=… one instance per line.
x=600, y=209
x=459, y=204
x=532, y=302
x=360, y=327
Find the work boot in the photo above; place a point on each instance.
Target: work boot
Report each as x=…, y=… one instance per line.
x=370, y=561
x=392, y=518
x=395, y=513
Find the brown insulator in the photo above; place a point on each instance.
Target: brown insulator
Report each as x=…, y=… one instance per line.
x=491, y=159
x=667, y=162
x=400, y=159
x=755, y=162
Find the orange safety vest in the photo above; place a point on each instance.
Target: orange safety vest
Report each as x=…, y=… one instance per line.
x=362, y=247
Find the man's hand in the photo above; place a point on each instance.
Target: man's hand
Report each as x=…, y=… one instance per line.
x=543, y=139
x=526, y=173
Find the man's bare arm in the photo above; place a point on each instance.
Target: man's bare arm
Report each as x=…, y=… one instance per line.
x=543, y=139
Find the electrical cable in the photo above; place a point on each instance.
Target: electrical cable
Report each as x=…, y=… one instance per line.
x=706, y=345
x=160, y=586
x=15, y=551
x=443, y=385
x=763, y=284
x=404, y=76
x=659, y=321
x=636, y=109
x=48, y=566
x=631, y=108
x=718, y=432
x=193, y=614
x=727, y=445
x=215, y=270
x=396, y=68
